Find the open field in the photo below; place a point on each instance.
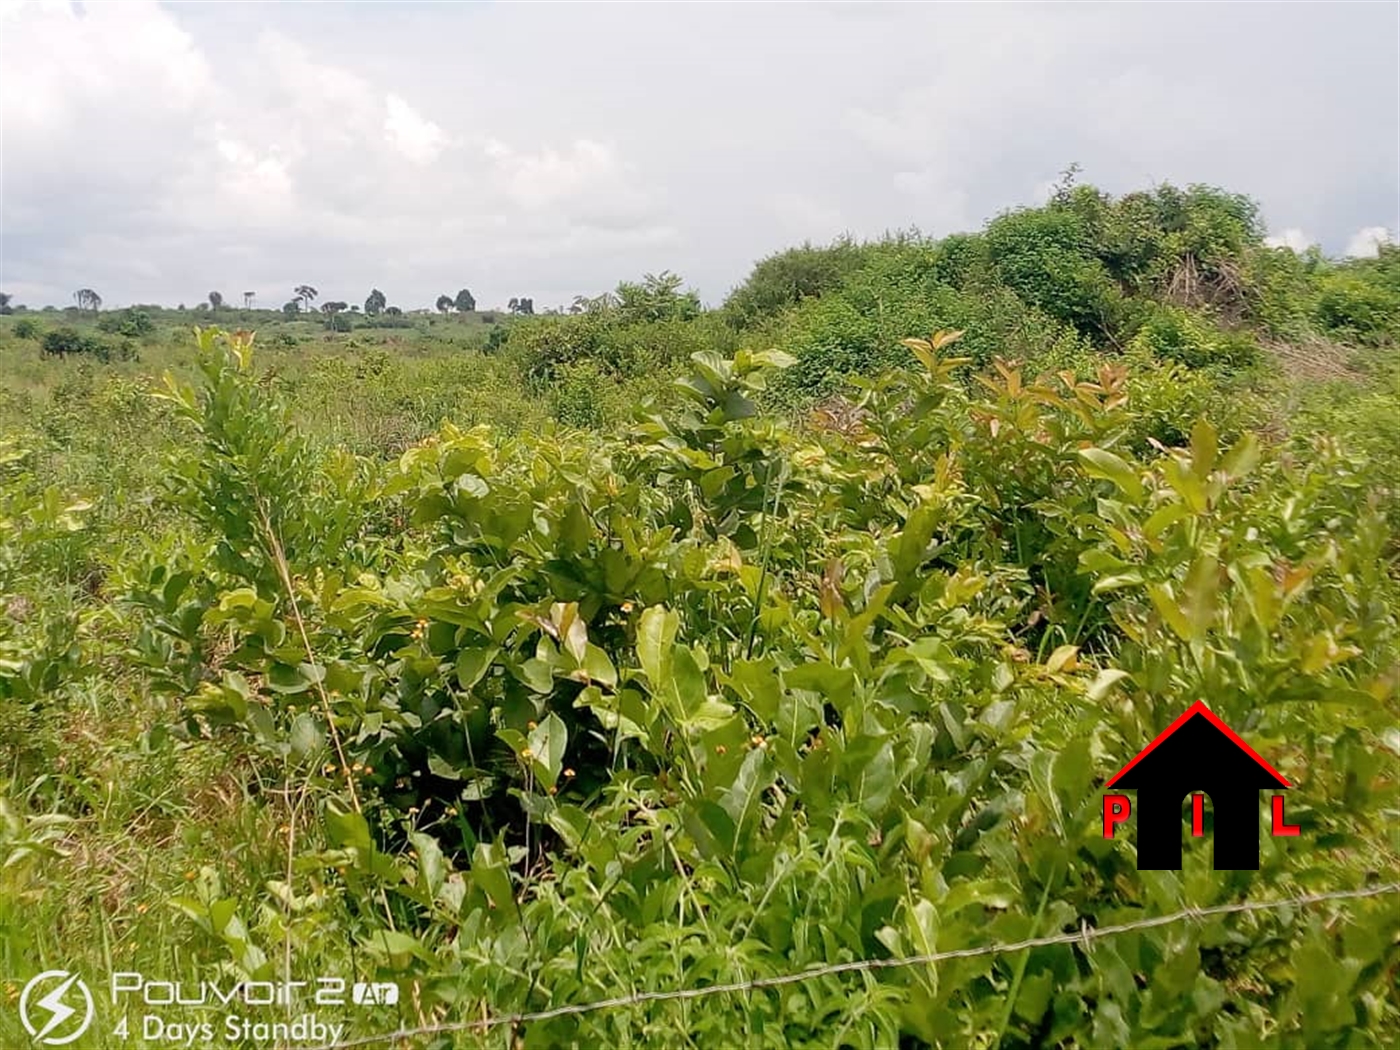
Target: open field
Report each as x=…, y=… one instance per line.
x=527, y=664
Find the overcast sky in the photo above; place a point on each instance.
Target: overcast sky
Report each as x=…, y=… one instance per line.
x=155, y=152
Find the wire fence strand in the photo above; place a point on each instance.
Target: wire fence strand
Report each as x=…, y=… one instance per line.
x=1085, y=937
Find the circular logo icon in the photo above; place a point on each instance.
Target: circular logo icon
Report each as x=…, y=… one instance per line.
x=58, y=997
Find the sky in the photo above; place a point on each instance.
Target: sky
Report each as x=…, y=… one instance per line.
x=155, y=152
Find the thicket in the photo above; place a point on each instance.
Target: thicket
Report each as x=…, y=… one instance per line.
x=67, y=342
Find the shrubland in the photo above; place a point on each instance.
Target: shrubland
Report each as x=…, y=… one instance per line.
x=650, y=648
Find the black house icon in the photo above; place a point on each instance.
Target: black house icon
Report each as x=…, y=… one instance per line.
x=1198, y=752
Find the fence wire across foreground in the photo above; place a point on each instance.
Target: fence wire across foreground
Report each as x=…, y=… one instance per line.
x=1085, y=937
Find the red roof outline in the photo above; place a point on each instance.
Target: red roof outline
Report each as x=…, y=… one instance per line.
x=1199, y=708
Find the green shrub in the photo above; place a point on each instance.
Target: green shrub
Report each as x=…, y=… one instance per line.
x=1168, y=398
x=1353, y=308
x=960, y=259
x=1281, y=290
x=786, y=278
x=580, y=394
x=388, y=320
x=1366, y=420
x=657, y=297
x=1171, y=333
x=131, y=323
x=27, y=328
x=1045, y=256
x=857, y=330
x=542, y=347
x=65, y=342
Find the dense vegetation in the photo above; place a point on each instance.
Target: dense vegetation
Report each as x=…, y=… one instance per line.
x=645, y=647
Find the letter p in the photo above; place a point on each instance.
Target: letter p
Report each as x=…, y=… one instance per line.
x=1116, y=809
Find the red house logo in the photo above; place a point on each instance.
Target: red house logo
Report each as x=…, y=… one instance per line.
x=1201, y=754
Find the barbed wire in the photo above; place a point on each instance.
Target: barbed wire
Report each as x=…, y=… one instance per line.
x=1085, y=938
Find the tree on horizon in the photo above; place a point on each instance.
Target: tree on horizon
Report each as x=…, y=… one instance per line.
x=306, y=293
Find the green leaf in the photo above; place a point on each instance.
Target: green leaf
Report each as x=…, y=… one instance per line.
x=282, y=678
x=1034, y=997
x=432, y=868
x=572, y=824
x=491, y=872
x=440, y=767
x=347, y=829
x=656, y=635
x=536, y=674
x=598, y=667
x=1104, y=464
x=773, y=358
x=1117, y=582
x=1202, y=585
x=547, y=743
x=1186, y=484
x=306, y=737
x=756, y=683
x=1204, y=449
x=740, y=801
x=1242, y=457
x=1104, y=682
x=573, y=632
x=1163, y=518
x=395, y=948
x=1061, y=658
x=1165, y=603
x=696, y=710
x=472, y=665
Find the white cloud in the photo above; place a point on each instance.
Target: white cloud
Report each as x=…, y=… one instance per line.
x=535, y=179
x=807, y=217
x=63, y=66
x=156, y=152
x=1364, y=243
x=252, y=181
x=1293, y=238
x=416, y=137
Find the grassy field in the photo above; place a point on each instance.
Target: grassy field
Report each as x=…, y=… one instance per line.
x=522, y=665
